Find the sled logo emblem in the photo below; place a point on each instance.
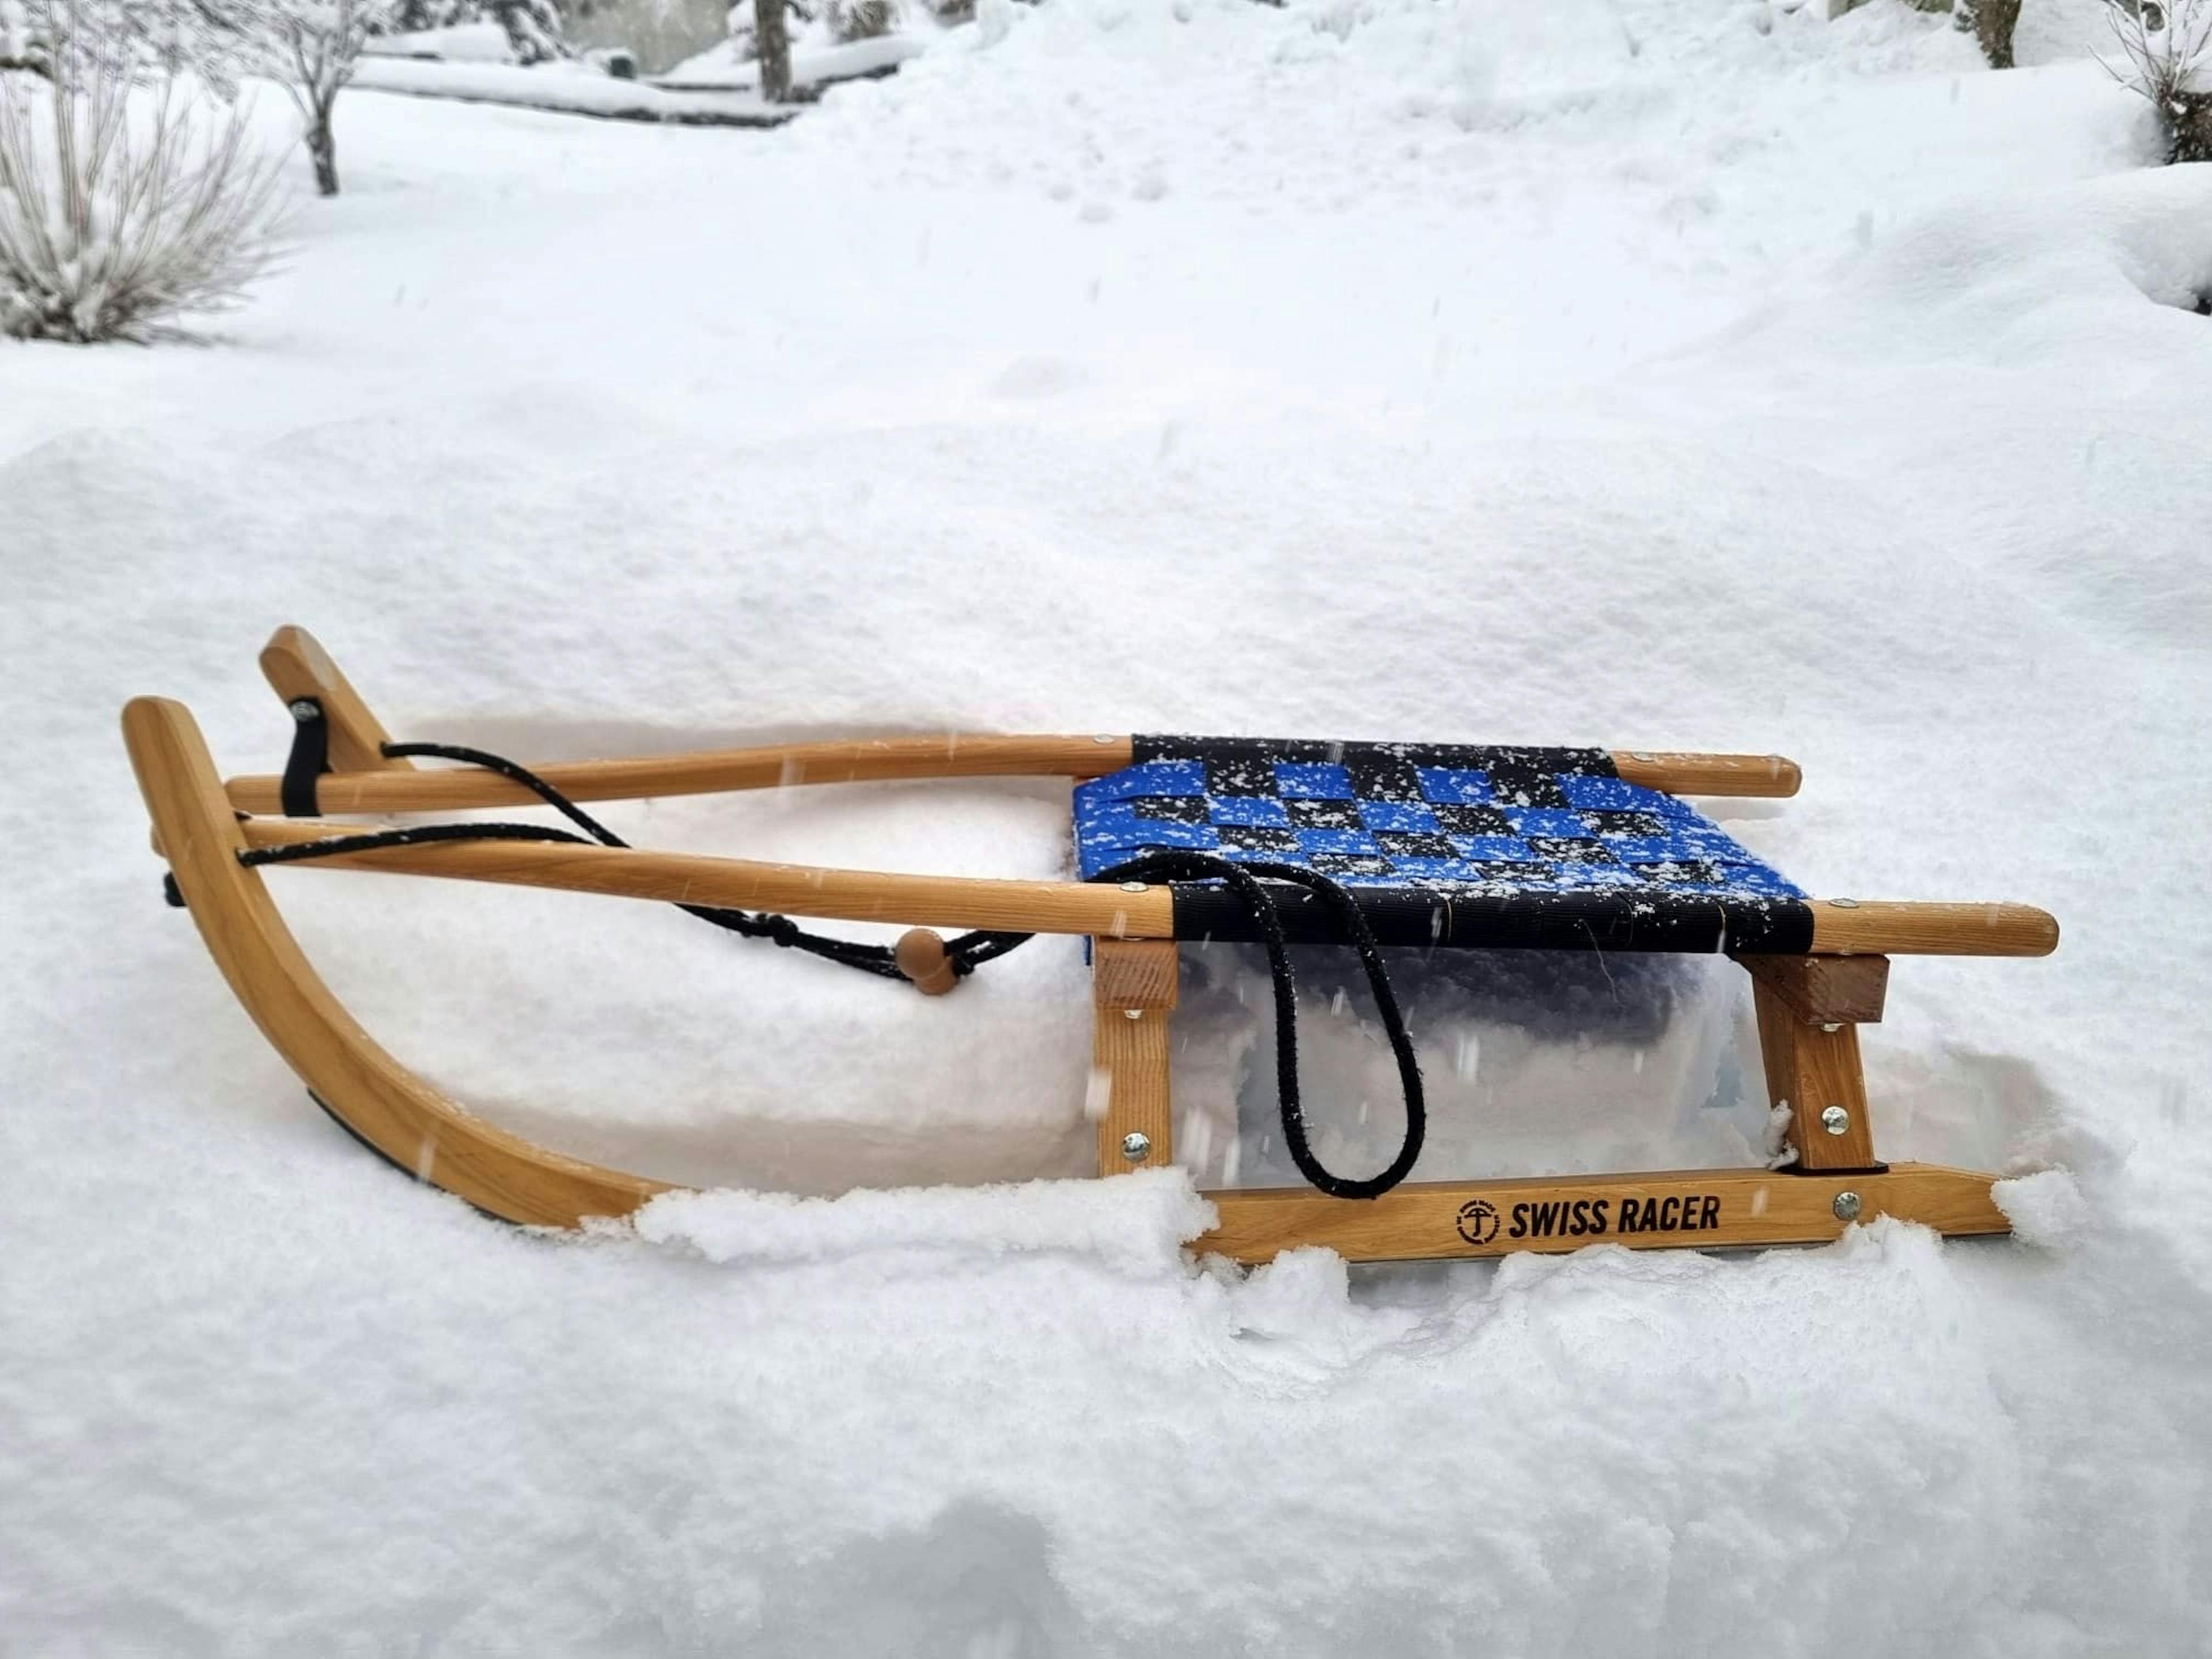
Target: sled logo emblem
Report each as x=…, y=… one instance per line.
x=1478, y=1221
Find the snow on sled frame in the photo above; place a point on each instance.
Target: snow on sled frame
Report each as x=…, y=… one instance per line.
x=1812, y=987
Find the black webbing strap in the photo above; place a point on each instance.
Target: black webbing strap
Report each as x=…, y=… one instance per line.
x=309, y=759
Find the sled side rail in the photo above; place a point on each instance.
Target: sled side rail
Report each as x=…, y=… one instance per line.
x=1135, y=911
x=953, y=755
x=1840, y=927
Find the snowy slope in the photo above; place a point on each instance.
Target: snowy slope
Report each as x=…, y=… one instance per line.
x=1694, y=375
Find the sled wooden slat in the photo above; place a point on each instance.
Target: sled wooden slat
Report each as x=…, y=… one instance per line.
x=379, y=1099
x=872, y=760
x=1036, y=907
x=1705, y=1209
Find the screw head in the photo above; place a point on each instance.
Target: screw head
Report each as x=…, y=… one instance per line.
x=1845, y=904
x=1136, y=1146
x=1133, y=1013
x=303, y=708
x=1846, y=1207
x=1133, y=886
x=1836, y=1120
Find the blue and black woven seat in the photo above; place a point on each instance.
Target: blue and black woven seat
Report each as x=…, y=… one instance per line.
x=1441, y=845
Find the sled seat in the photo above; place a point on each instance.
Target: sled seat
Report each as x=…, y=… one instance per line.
x=1442, y=845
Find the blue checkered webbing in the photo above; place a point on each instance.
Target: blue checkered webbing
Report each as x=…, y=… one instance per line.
x=1443, y=844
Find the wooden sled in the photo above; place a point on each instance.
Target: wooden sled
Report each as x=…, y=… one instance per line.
x=1818, y=967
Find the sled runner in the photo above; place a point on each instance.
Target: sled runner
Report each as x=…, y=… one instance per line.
x=1372, y=845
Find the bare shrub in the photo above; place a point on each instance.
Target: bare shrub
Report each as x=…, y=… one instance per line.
x=112, y=227
x=2164, y=48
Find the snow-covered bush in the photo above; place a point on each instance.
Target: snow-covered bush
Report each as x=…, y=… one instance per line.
x=2168, y=49
x=116, y=223
x=534, y=29
x=310, y=48
x=862, y=20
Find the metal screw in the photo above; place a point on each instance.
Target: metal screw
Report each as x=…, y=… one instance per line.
x=1639, y=754
x=1136, y=1146
x=1845, y=904
x=303, y=709
x=1831, y=1025
x=1103, y=737
x=1132, y=887
x=1133, y=1013
x=1836, y=1120
x=1846, y=1207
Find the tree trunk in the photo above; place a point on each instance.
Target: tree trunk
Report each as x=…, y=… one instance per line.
x=2192, y=127
x=324, y=148
x=1992, y=22
x=773, y=44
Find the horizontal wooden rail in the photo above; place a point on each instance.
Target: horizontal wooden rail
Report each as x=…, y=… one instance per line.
x=1848, y=927
x=1741, y=775
x=1711, y=1209
x=1036, y=907
x=706, y=772
x=878, y=759
x=1840, y=927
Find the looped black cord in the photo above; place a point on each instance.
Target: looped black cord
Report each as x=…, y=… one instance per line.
x=965, y=952
x=1243, y=880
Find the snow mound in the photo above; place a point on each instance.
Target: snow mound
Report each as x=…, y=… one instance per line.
x=1138, y=1223
x=2047, y=1208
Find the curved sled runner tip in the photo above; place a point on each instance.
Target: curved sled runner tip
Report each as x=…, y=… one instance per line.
x=382, y=1102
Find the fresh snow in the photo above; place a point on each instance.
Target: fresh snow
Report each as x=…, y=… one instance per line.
x=1690, y=375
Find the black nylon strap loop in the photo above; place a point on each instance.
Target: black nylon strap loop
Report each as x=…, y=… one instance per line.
x=309, y=759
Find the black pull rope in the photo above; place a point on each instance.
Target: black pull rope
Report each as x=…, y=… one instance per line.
x=969, y=950
x=1242, y=879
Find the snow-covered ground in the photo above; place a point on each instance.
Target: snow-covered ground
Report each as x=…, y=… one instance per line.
x=1688, y=375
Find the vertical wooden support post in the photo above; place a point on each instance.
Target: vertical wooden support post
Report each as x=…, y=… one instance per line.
x=1809, y=1011
x=1133, y=985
